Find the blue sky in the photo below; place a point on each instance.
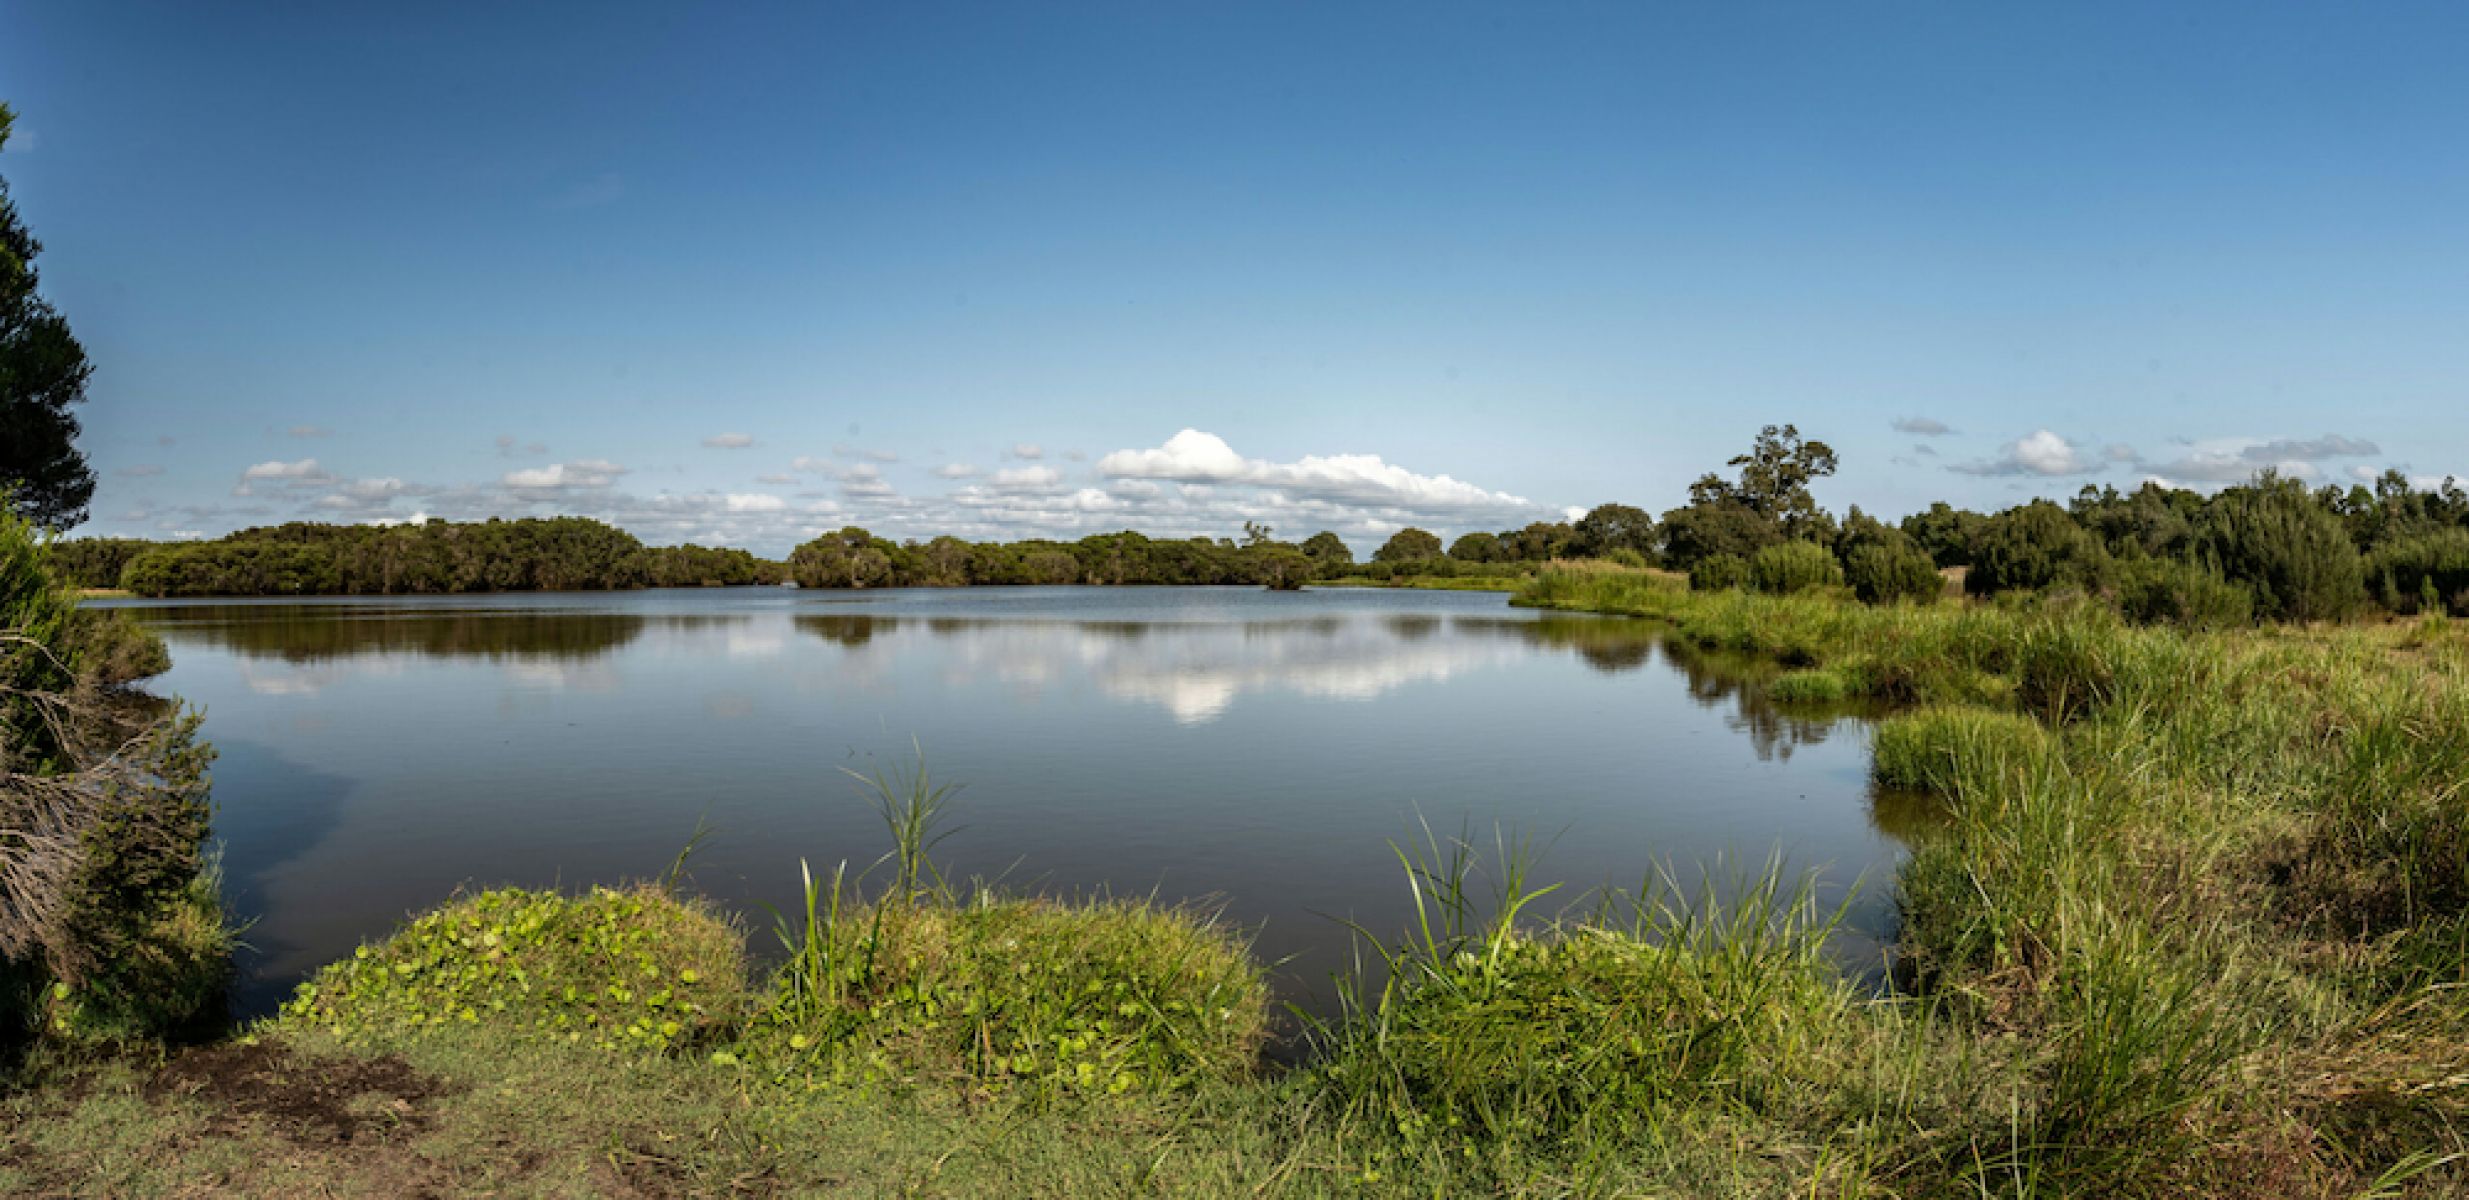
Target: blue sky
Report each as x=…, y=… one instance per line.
x=1457, y=266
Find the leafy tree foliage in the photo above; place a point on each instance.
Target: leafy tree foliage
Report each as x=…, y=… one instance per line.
x=702, y=566
x=2161, y=591
x=1774, y=480
x=43, y=373
x=95, y=562
x=1884, y=572
x=2287, y=546
x=2428, y=570
x=1408, y=545
x=1947, y=533
x=1716, y=572
x=1539, y=541
x=301, y=559
x=1768, y=503
x=1479, y=547
x=1702, y=531
x=2151, y=522
x=1610, y=527
x=2029, y=547
x=1794, y=566
x=1329, y=550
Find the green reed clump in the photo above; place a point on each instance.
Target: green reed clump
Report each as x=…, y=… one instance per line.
x=1492, y=1038
x=633, y=970
x=1095, y=997
x=1812, y=685
x=1938, y=749
x=921, y=981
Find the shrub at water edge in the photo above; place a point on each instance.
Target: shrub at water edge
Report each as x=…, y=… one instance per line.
x=634, y=970
x=1794, y=566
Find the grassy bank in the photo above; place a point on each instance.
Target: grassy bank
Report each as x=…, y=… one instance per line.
x=2192, y=919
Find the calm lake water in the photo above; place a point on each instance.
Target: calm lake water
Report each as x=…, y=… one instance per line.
x=1257, y=750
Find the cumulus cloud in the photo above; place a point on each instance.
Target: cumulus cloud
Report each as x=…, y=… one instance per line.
x=581, y=473
x=306, y=468
x=729, y=441
x=739, y=502
x=1194, y=457
x=2040, y=453
x=955, y=471
x=1027, y=451
x=1922, y=426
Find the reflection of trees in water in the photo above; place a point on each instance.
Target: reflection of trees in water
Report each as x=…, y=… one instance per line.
x=1411, y=627
x=1608, y=644
x=320, y=633
x=1908, y=817
x=1716, y=680
x=848, y=631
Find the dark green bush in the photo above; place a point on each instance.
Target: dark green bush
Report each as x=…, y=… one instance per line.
x=1794, y=567
x=2401, y=572
x=1887, y=572
x=109, y=924
x=2287, y=547
x=1717, y=572
x=2159, y=591
x=2029, y=548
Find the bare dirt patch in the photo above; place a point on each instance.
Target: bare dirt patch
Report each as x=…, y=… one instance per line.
x=329, y=1100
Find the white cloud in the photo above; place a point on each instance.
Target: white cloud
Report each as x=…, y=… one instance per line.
x=2039, y=453
x=306, y=468
x=955, y=471
x=1193, y=457
x=1020, y=479
x=741, y=502
x=581, y=473
x=729, y=441
x=304, y=473
x=1922, y=426
x=1028, y=451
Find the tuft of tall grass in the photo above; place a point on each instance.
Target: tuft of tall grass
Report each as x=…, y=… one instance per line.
x=1941, y=748
x=1494, y=1035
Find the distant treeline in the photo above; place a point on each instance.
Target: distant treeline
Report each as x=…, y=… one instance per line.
x=303, y=559
x=580, y=554
x=2269, y=549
